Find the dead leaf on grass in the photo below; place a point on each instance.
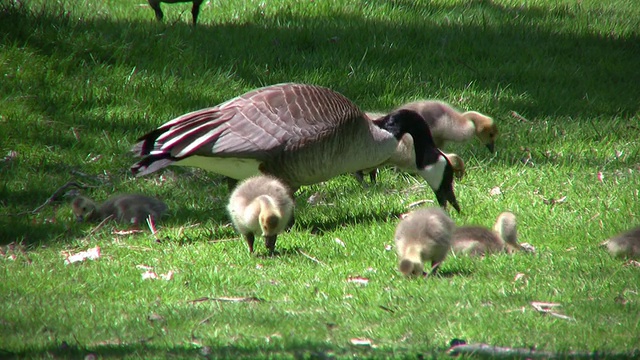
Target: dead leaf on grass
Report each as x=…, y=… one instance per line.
x=340, y=242
x=547, y=308
x=126, y=232
x=90, y=254
x=358, y=280
x=518, y=277
x=495, y=191
x=526, y=247
x=632, y=263
x=362, y=342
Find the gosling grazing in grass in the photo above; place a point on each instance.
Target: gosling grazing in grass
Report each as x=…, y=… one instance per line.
x=303, y=134
x=478, y=240
x=448, y=124
x=423, y=235
x=124, y=208
x=195, y=10
x=261, y=205
x=625, y=245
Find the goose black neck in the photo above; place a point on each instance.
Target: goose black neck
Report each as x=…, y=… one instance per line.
x=401, y=122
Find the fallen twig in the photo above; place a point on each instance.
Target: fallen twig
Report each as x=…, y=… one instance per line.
x=54, y=197
x=546, y=308
x=227, y=299
x=495, y=352
x=518, y=116
x=311, y=258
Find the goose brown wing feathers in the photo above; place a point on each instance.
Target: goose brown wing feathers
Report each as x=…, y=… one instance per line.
x=259, y=124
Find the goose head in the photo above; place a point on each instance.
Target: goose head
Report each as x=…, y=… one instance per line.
x=486, y=129
x=430, y=163
x=83, y=207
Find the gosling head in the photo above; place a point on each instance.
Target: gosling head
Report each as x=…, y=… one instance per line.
x=486, y=129
x=410, y=268
x=269, y=222
x=458, y=165
x=83, y=207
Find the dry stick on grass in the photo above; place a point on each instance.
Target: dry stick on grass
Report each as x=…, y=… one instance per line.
x=518, y=116
x=311, y=258
x=54, y=197
x=496, y=352
x=227, y=299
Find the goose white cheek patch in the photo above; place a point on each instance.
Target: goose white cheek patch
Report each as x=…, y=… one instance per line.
x=434, y=173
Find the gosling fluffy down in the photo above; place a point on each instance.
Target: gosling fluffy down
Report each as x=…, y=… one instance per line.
x=448, y=124
x=423, y=235
x=261, y=205
x=124, y=208
x=625, y=245
x=478, y=240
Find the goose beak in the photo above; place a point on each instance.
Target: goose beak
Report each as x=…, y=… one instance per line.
x=445, y=194
x=79, y=218
x=491, y=146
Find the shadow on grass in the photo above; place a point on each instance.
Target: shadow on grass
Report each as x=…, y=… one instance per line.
x=480, y=50
x=142, y=350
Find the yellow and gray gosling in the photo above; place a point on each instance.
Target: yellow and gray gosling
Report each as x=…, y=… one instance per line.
x=478, y=240
x=124, y=208
x=261, y=205
x=423, y=235
x=448, y=124
x=625, y=245
x=195, y=10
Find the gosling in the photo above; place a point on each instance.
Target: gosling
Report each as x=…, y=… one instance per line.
x=124, y=208
x=448, y=124
x=479, y=241
x=625, y=245
x=423, y=235
x=261, y=205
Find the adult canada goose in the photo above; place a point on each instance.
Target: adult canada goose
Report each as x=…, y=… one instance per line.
x=626, y=244
x=124, y=208
x=303, y=134
x=423, y=235
x=261, y=205
x=195, y=10
x=478, y=240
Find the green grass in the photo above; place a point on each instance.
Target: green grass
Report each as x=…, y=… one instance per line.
x=81, y=80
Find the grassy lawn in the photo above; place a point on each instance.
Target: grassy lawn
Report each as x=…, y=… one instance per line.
x=80, y=81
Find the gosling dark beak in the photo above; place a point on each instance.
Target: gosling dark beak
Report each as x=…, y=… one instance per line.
x=79, y=218
x=491, y=146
